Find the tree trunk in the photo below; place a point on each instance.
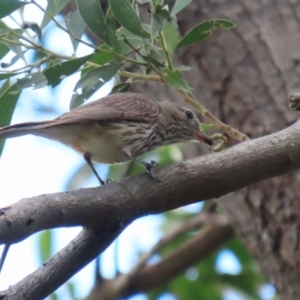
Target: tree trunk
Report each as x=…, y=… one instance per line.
x=245, y=76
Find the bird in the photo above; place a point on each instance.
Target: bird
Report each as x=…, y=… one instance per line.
x=117, y=128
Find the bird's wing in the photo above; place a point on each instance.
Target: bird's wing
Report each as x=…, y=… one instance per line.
x=122, y=106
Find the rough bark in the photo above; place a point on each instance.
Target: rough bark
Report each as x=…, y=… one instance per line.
x=244, y=76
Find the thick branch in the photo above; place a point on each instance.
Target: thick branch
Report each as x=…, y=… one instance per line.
x=121, y=202
x=110, y=208
x=59, y=268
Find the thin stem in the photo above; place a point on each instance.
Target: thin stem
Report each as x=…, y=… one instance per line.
x=111, y=51
x=30, y=66
x=211, y=118
x=165, y=50
x=137, y=76
x=61, y=27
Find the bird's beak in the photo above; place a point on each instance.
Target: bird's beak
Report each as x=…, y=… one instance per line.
x=201, y=137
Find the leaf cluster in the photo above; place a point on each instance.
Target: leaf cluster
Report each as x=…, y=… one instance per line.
x=122, y=34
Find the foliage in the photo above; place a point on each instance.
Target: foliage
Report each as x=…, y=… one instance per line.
x=122, y=34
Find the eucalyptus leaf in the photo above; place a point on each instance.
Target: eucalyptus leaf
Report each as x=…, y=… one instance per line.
x=9, y=96
x=14, y=59
x=14, y=47
x=52, y=9
x=154, y=3
x=8, y=75
x=122, y=31
x=111, y=31
x=157, y=19
x=179, y=6
x=76, y=26
x=175, y=80
x=91, y=81
x=149, y=58
x=92, y=14
x=142, y=1
x=121, y=88
x=35, y=80
x=45, y=245
x=71, y=289
x=57, y=72
x=205, y=127
x=171, y=37
x=102, y=58
x=127, y=17
x=9, y=6
x=3, y=50
x=184, y=68
x=203, y=30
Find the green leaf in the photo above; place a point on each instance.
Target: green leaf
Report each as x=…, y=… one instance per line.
x=154, y=3
x=111, y=31
x=127, y=17
x=45, y=245
x=52, y=9
x=184, y=68
x=35, y=80
x=153, y=60
x=179, y=6
x=175, y=80
x=171, y=37
x=205, y=127
x=9, y=6
x=8, y=75
x=157, y=19
x=57, y=72
x=54, y=296
x=13, y=47
x=3, y=50
x=92, y=14
x=102, y=58
x=11, y=63
x=9, y=96
x=203, y=30
x=91, y=81
x=121, y=88
x=76, y=26
x=71, y=289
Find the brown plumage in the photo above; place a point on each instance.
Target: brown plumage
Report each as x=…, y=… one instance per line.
x=117, y=128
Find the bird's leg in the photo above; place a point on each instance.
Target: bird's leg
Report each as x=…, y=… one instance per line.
x=148, y=166
x=87, y=158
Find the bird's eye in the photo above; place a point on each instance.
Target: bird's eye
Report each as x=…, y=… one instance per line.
x=189, y=114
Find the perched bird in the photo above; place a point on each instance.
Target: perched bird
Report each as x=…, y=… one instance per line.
x=117, y=128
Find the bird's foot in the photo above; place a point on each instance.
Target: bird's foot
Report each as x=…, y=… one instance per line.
x=149, y=168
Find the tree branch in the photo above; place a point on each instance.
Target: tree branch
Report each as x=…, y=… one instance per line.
x=143, y=278
x=108, y=209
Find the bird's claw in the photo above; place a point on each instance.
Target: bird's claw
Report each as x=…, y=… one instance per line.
x=149, y=168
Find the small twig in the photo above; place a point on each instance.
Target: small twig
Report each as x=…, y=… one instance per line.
x=167, y=54
x=212, y=119
x=184, y=227
x=61, y=27
x=138, y=76
x=3, y=255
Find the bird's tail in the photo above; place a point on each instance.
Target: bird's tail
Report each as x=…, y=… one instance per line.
x=22, y=129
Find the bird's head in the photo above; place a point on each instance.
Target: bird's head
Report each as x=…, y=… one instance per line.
x=182, y=124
